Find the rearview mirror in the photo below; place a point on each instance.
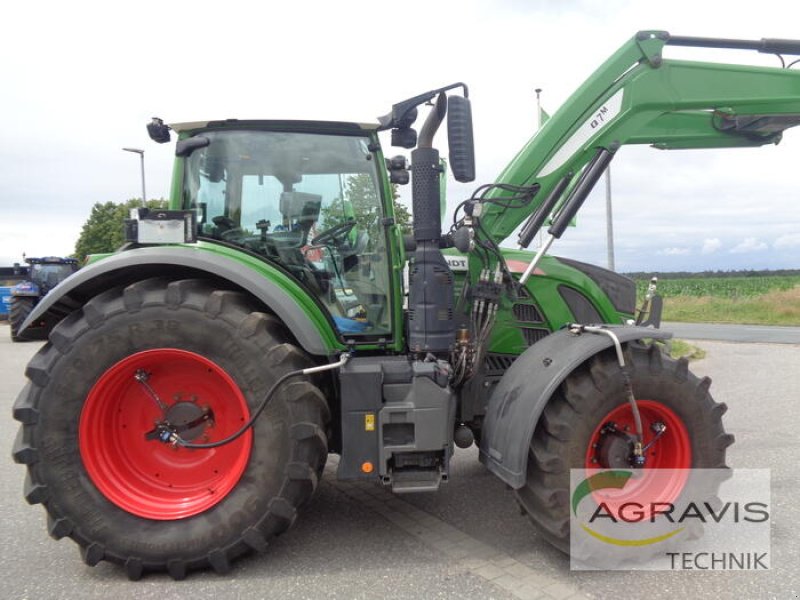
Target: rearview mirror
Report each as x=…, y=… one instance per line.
x=459, y=137
x=158, y=131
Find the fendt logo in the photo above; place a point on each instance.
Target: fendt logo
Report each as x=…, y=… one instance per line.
x=457, y=263
x=653, y=504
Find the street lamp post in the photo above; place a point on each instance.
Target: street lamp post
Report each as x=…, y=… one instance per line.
x=141, y=156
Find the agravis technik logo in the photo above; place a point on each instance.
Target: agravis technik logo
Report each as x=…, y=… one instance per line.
x=687, y=519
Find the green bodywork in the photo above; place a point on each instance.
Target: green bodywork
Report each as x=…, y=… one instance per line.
x=543, y=288
x=543, y=292
x=287, y=283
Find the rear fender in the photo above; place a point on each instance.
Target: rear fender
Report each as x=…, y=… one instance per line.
x=521, y=394
x=310, y=326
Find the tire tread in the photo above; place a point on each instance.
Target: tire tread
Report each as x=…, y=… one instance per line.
x=308, y=409
x=544, y=498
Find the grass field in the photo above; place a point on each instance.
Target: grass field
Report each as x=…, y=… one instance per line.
x=684, y=349
x=751, y=300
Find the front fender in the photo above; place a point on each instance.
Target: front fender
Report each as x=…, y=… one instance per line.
x=522, y=393
x=277, y=291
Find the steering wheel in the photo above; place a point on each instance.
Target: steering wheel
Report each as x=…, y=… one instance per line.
x=227, y=227
x=224, y=223
x=333, y=233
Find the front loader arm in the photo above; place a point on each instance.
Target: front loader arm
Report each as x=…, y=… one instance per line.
x=637, y=97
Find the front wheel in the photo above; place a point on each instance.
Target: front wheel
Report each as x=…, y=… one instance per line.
x=203, y=360
x=587, y=424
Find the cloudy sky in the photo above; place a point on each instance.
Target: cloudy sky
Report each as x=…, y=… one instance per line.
x=81, y=79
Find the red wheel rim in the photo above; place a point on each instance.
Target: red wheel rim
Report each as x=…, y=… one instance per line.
x=147, y=477
x=667, y=461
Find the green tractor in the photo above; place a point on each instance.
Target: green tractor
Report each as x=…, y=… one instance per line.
x=195, y=381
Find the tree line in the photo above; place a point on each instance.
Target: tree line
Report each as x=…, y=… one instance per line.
x=718, y=273
x=104, y=232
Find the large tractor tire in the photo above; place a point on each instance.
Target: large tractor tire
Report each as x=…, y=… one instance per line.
x=18, y=310
x=570, y=434
x=146, y=504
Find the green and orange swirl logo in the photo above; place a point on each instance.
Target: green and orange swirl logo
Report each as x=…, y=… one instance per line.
x=611, y=480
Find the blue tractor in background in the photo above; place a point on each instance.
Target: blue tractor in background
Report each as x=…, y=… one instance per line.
x=43, y=275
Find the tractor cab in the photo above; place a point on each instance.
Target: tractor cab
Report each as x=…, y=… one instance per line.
x=307, y=197
x=44, y=274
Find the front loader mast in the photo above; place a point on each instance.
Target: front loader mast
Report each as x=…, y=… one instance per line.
x=639, y=97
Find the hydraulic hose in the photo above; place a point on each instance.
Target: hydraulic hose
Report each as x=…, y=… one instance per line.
x=637, y=418
x=172, y=437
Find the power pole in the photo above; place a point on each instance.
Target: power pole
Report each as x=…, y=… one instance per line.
x=538, y=109
x=609, y=221
x=538, y=127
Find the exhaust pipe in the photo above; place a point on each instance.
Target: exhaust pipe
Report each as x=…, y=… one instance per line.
x=431, y=327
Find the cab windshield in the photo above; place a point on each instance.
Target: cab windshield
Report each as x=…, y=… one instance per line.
x=49, y=275
x=309, y=202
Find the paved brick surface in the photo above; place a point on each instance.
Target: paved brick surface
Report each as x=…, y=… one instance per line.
x=502, y=570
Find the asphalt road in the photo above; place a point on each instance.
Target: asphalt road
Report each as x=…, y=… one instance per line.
x=359, y=542
x=734, y=333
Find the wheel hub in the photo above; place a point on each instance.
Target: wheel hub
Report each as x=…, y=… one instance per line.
x=661, y=467
x=615, y=448
x=189, y=419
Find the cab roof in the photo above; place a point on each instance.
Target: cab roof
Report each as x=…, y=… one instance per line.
x=280, y=125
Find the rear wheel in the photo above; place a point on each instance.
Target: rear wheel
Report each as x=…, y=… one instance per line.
x=587, y=422
x=18, y=310
x=204, y=360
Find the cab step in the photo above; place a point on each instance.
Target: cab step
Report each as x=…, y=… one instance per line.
x=412, y=481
